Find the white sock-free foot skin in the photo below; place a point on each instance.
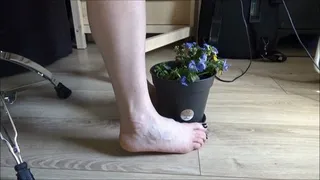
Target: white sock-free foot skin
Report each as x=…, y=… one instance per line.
x=119, y=30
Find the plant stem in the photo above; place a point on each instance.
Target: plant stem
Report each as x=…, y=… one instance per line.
x=202, y=73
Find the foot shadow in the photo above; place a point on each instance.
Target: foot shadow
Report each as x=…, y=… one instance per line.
x=108, y=146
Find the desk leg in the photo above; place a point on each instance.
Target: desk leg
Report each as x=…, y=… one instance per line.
x=76, y=9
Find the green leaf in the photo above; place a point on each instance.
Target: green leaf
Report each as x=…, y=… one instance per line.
x=192, y=77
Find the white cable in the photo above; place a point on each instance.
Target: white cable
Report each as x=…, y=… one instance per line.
x=295, y=31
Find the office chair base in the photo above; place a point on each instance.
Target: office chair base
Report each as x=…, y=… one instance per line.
x=62, y=91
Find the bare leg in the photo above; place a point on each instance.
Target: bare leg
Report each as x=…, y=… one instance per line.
x=119, y=30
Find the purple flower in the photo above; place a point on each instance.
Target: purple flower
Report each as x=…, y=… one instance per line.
x=192, y=66
x=183, y=80
x=203, y=58
x=201, y=66
x=225, y=65
x=189, y=45
x=206, y=46
x=215, y=50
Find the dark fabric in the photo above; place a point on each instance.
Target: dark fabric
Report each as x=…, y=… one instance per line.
x=221, y=25
x=36, y=29
x=205, y=20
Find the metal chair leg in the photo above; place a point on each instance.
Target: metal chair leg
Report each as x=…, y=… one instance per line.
x=317, y=56
x=62, y=91
x=9, y=96
x=21, y=167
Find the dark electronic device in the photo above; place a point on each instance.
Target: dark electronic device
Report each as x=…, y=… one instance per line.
x=221, y=25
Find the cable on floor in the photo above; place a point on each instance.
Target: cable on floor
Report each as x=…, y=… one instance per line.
x=249, y=44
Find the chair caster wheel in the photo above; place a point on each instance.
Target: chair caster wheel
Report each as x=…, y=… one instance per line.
x=62, y=91
x=10, y=97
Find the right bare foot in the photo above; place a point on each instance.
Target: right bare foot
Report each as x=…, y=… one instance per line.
x=153, y=133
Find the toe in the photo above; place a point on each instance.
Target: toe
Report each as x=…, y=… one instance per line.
x=201, y=134
x=199, y=140
x=196, y=146
x=200, y=137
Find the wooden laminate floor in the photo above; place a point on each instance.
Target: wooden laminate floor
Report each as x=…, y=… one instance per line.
x=263, y=126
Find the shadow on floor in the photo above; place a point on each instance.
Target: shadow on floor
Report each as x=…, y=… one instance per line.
x=108, y=146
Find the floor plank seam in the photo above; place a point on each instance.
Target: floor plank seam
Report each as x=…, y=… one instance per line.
x=278, y=84
x=199, y=162
x=28, y=86
x=306, y=97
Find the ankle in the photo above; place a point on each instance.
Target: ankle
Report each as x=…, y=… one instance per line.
x=137, y=117
x=137, y=108
x=133, y=124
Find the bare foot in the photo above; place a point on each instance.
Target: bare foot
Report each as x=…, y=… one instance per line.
x=153, y=133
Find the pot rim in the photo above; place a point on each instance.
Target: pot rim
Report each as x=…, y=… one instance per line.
x=154, y=75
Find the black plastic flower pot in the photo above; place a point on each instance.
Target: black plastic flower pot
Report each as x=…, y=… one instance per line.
x=181, y=103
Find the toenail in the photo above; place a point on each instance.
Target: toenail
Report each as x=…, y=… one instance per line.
x=205, y=125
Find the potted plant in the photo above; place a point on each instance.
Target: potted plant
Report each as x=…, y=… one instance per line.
x=182, y=85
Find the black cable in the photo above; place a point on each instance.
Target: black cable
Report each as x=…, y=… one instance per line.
x=249, y=43
x=295, y=31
